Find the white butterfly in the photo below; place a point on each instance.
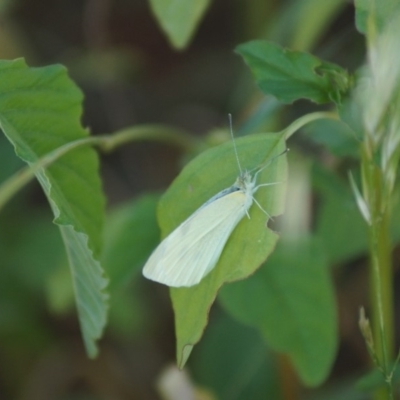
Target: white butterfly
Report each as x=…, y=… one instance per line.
x=193, y=249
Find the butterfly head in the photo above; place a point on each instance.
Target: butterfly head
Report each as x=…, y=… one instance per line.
x=245, y=182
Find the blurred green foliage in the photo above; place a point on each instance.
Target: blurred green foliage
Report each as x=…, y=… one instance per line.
x=122, y=55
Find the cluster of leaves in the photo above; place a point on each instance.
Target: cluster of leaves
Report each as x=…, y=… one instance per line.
x=289, y=300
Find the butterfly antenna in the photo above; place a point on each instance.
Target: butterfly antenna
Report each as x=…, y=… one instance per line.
x=268, y=162
x=234, y=143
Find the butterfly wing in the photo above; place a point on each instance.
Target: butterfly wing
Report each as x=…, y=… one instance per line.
x=192, y=250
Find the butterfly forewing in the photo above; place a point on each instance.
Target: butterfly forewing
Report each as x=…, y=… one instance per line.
x=192, y=250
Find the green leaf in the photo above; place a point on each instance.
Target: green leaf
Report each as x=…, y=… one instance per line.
x=130, y=236
x=380, y=11
x=179, y=18
x=88, y=285
x=291, y=301
x=60, y=291
x=249, y=244
x=233, y=361
x=40, y=110
x=8, y=162
x=350, y=114
x=36, y=249
x=291, y=75
x=336, y=136
x=343, y=238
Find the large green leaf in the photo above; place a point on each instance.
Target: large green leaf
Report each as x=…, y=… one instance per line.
x=234, y=362
x=40, y=110
x=291, y=75
x=179, y=18
x=250, y=243
x=290, y=300
x=131, y=234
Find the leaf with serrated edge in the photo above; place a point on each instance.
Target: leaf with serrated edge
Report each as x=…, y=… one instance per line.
x=291, y=75
x=40, y=110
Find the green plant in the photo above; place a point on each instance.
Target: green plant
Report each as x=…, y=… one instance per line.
x=280, y=285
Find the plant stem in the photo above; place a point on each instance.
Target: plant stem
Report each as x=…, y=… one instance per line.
x=380, y=269
x=306, y=119
x=105, y=142
x=156, y=133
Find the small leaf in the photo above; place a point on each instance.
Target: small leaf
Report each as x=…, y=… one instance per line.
x=249, y=244
x=290, y=300
x=179, y=18
x=291, y=75
x=40, y=110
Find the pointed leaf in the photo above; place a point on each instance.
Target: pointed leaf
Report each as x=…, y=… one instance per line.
x=291, y=75
x=249, y=244
x=179, y=18
x=40, y=110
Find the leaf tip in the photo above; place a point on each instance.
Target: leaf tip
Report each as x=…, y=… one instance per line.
x=184, y=355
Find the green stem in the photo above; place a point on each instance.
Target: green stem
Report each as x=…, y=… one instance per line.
x=13, y=184
x=380, y=270
x=105, y=142
x=157, y=133
x=306, y=119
